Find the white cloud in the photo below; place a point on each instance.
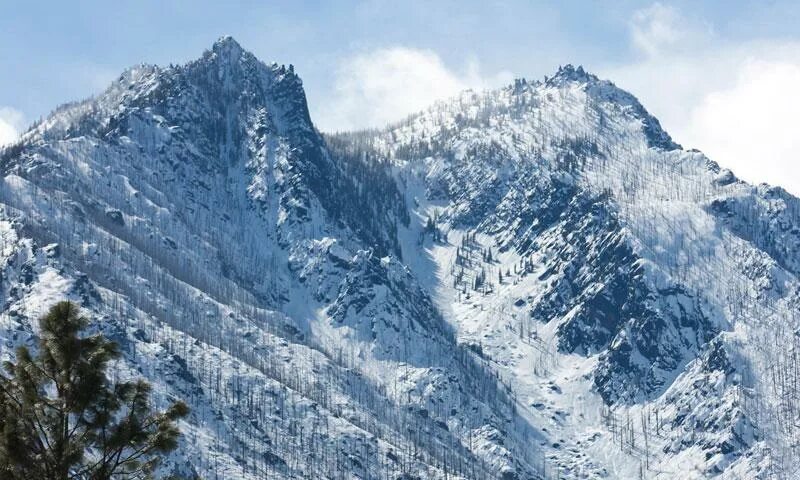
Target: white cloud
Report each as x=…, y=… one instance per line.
x=11, y=124
x=754, y=124
x=735, y=101
x=660, y=29
x=380, y=86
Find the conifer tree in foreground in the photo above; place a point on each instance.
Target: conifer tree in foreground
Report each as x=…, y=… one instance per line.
x=62, y=419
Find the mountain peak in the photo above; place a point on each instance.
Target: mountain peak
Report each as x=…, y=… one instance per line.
x=226, y=51
x=229, y=67
x=570, y=73
x=607, y=91
x=229, y=58
x=226, y=45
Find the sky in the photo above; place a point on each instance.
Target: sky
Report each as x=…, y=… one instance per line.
x=722, y=76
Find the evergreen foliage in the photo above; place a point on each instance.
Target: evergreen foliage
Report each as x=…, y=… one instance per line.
x=61, y=418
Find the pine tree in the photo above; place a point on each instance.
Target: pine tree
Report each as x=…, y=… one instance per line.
x=62, y=419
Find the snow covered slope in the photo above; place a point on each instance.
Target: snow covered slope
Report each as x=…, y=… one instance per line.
x=534, y=282
x=641, y=302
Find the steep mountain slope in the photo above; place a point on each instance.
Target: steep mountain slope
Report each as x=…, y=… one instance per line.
x=639, y=300
x=535, y=282
x=197, y=213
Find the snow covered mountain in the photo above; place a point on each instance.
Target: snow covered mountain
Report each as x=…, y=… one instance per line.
x=533, y=282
